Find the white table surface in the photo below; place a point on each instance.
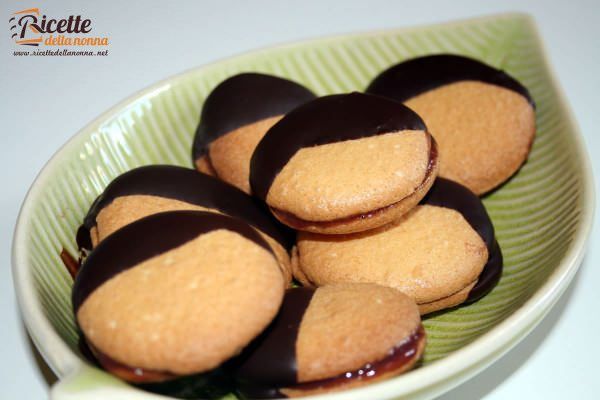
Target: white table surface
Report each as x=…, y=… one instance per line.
x=45, y=100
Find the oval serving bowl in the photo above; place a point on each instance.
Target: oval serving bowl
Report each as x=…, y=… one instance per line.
x=542, y=216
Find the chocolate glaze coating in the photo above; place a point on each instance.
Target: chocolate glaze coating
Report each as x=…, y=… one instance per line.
x=325, y=120
x=146, y=238
x=450, y=194
x=209, y=385
x=192, y=187
x=270, y=361
x=242, y=100
x=489, y=277
x=419, y=75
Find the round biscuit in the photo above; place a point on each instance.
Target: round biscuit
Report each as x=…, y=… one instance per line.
x=344, y=163
x=431, y=253
x=347, y=326
x=484, y=131
x=181, y=311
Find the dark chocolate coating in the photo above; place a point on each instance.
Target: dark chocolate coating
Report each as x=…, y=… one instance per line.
x=270, y=361
x=419, y=75
x=450, y=194
x=146, y=238
x=210, y=385
x=325, y=120
x=189, y=186
x=242, y=100
x=246, y=392
x=489, y=277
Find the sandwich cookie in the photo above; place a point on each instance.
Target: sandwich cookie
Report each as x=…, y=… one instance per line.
x=332, y=338
x=158, y=188
x=235, y=116
x=176, y=294
x=482, y=118
x=344, y=163
x=442, y=253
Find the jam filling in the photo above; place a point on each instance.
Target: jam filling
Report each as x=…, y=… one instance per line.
x=71, y=264
x=399, y=357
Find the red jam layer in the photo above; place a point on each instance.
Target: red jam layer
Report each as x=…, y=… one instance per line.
x=399, y=358
x=70, y=262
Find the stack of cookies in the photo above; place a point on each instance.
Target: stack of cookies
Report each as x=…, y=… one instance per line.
x=300, y=255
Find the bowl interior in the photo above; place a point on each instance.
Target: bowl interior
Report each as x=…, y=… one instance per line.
x=535, y=214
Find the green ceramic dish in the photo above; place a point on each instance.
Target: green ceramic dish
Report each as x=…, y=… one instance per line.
x=542, y=216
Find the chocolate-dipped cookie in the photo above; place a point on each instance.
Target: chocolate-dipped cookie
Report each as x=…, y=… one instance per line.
x=332, y=338
x=442, y=253
x=482, y=118
x=235, y=116
x=344, y=163
x=175, y=294
x=158, y=188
